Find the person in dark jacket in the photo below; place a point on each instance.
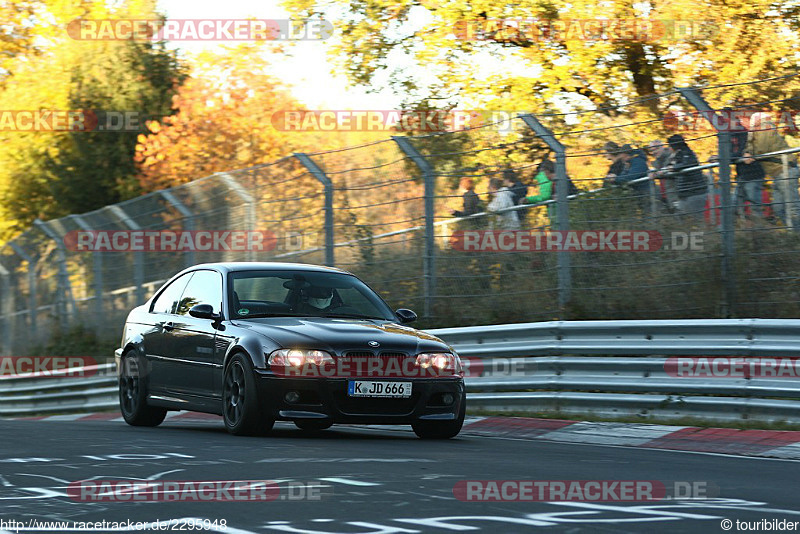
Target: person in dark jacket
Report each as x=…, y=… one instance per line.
x=472, y=203
x=635, y=169
x=616, y=157
x=661, y=154
x=749, y=176
x=518, y=191
x=513, y=183
x=690, y=184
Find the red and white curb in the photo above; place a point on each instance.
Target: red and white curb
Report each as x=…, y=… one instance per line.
x=117, y=417
x=765, y=443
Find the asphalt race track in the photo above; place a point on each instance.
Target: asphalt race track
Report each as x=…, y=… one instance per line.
x=367, y=480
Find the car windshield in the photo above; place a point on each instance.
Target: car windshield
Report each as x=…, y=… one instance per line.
x=256, y=294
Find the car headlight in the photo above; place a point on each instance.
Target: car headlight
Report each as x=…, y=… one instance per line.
x=299, y=357
x=440, y=362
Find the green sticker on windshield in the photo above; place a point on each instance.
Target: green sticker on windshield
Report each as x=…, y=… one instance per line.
x=243, y=311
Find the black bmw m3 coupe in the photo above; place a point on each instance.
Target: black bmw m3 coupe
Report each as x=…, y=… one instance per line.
x=265, y=342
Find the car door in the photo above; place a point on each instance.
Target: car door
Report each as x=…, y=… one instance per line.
x=191, y=370
x=157, y=339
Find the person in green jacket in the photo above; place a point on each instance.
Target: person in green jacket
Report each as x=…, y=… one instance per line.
x=544, y=179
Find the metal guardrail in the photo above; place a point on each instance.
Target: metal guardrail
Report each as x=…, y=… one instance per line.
x=724, y=337
x=74, y=390
x=512, y=380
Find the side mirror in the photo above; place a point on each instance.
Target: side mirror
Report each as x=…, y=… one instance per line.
x=204, y=311
x=405, y=316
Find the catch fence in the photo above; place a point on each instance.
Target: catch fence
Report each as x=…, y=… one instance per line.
x=384, y=212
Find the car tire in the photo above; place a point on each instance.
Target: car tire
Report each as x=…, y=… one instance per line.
x=133, y=393
x=241, y=410
x=441, y=429
x=313, y=425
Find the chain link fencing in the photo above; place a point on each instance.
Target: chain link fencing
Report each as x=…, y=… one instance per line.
x=619, y=245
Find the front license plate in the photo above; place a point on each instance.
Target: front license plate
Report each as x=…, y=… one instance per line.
x=362, y=388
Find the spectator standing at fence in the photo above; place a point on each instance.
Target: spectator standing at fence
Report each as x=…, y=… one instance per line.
x=690, y=183
x=615, y=156
x=634, y=170
x=749, y=176
x=503, y=198
x=518, y=191
x=471, y=202
x=661, y=154
x=764, y=138
x=514, y=184
x=545, y=180
x=471, y=205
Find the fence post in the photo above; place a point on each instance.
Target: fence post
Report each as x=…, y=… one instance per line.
x=97, y=267
x=188, y=220
x=320, y=175
x=247, y=199
x=64, y=304
x=6, y=311
x=138, y=255
x=722, y=127
x=32, y=300
x=562, y=206
x=429, y=263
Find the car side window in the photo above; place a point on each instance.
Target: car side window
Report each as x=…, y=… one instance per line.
x=167, y=301
x=205, y=287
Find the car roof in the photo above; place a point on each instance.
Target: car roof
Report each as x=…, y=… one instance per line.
x=226, y=267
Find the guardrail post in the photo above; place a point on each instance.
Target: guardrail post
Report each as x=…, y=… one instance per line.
x=248, y=201
x=188, y=220
x=32, y=300
x=722, y=126
x=6, y=311
x=97, y=268
x=138, y=255
x=562, y=206
x=64, y=305
x=429, y=263
x=320, y=175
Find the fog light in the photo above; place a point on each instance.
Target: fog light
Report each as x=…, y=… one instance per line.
x=447, y=398
x=292, y=397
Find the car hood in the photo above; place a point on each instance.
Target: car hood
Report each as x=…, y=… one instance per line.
x=343, y=335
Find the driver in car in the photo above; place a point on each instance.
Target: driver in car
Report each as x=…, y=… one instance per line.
x=317, y=299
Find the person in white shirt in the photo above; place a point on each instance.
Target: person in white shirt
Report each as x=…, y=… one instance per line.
x=502, y=198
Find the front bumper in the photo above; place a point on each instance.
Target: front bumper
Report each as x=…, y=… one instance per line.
x=326, y=398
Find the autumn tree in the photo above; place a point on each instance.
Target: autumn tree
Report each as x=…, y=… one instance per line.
x=222, y=121
x=48, y=174
x=532, y=54
x=18, y=31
